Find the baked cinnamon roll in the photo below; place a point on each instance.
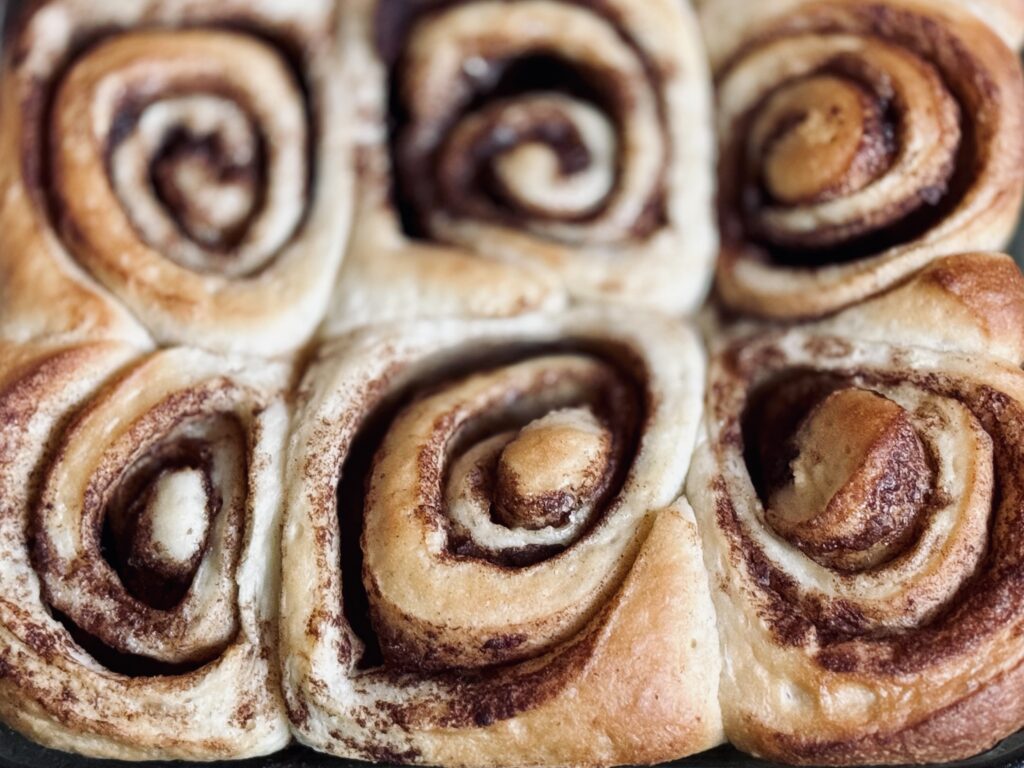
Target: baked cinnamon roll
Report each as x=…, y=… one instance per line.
x=190, y=158
x=859, y=504
x=511, y=154
x=484, y=559
x=139, y=540
x=859, y=141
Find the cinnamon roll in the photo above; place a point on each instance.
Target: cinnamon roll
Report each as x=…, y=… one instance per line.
x=484, y=559
x=511, y=154
x=859, y=504
x=189, y=160
x=859, y=141
x=139, y=540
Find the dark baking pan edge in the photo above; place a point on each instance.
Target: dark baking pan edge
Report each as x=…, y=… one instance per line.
x=18, y=752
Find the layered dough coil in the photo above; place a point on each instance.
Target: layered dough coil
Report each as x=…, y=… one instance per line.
x=860, y=504
x=139, y=540
x=515, y=155
x=858, y=142
x=485, y=561
x=185, y=162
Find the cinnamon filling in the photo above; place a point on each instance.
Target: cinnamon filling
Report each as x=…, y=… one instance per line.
x=846, y=142
x=520, y=480
x=875, y=493
x=858, y=483
x=841, y=470
x=212, y=191
x=820, y=139
x=204, y=158
x=157, y=523
x=532, y=132
x=173, y=512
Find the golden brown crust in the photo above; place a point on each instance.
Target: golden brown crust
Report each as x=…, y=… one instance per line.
x=92, y=659
x=200, y=176
x=990, y=288
x=450, y=591
x=665, y=708
x=971, y=302
x=935, y=101
x=539, y=152
x=953, y=730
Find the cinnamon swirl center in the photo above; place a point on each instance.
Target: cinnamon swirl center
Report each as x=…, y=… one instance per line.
x=857, y=485
x=841, y=141
x=190, y=145
x=139, y=553
x=489, y=484
x=819, y=139
x=864, y=484
x=543, y=117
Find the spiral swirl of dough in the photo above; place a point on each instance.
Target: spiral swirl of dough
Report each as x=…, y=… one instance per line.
x=566, y=142
x=192, y=160
x=492, y=491
x=859, y=141
x=859, y=503
x=140, y=572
